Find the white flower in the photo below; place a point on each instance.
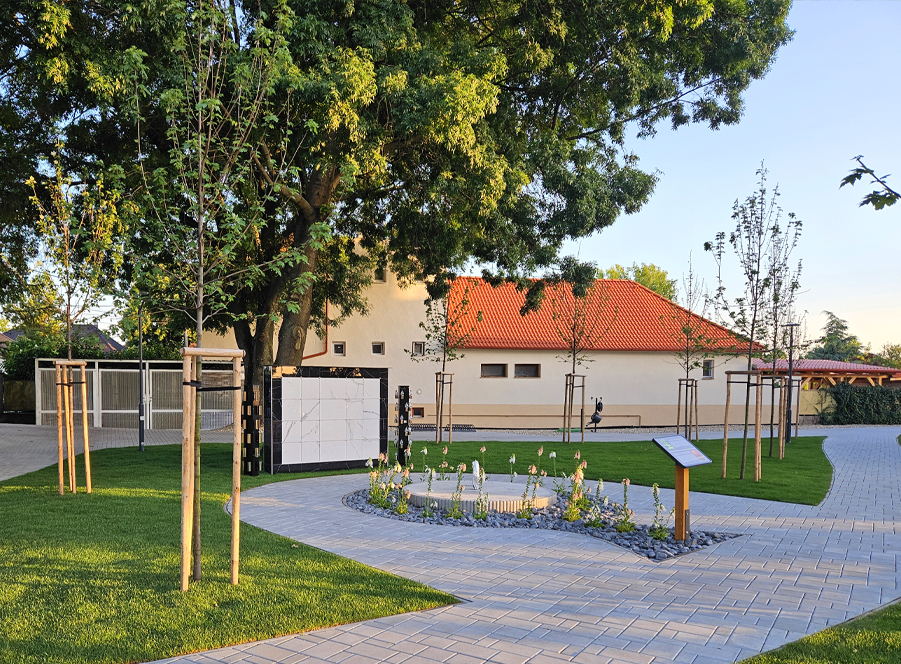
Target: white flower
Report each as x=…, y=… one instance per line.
x=552, y=455
x=433, y=473
x=513, y=459
x=606, y=501
x=425, y=450
x=515, y=474
x=397, y=468
x=435, y=505
x=369, y=463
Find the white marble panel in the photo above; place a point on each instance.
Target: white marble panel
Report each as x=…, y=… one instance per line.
x=355, y=387
x=310, y=409
x=371, y=449
x=291, y=452
x=332, y=430
x=370, y=429
x=291, y=431
x=372, y=408
x=355, y=451
x=309, y=431
x=333, y=451
x=372, y=388
x=309, y=388
x=309, y=452
x=292, y=410
x=354, y=430
x=355, y=409
x=291, y=388
x=333, y=388
x=332, y=409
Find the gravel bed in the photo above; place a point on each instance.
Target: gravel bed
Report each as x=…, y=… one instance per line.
x=550, y=518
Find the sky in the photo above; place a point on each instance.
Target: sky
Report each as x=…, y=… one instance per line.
x=831, y=94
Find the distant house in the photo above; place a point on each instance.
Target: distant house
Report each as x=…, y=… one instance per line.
x=4, y=340
x=513, y=370
x=107, y=343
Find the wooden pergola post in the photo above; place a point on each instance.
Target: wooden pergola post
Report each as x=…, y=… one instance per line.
x=190, y=385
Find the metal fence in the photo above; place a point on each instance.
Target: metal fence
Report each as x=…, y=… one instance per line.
x=114, y=385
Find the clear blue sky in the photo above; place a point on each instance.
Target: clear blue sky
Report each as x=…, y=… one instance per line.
x=832, y=94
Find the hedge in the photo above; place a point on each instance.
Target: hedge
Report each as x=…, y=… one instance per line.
x=870, y=404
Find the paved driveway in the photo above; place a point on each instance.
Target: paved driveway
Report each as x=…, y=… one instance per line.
x=545, y=596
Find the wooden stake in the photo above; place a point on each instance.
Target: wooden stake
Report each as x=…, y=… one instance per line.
x=236, y=472
x=681, y=501
x=187, y=470
x=450, y=410
x=726, y=423
x=84, y=426
x=757, y=408
x=797, y=412
x=782, y=421
x=566, y=407
x=70, y=429
x=697, y=419
x=582, y=414
x=59, y=428
x=439, y=403
x=679, y=410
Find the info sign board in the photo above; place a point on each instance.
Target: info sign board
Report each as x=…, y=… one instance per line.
x=682, y=451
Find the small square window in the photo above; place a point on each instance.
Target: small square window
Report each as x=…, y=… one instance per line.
x=338, y=348
x=418, y=412
x=418, y=349
x=378, y=275
x=494, y=371
x=378, y=348
x=527, y=371
x=707, y=369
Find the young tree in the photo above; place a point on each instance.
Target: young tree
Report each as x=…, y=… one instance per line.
x=757, y=233
x=447, y=328
x=80, y=234
x=889, y=356
x=648, y=275
x=883, y=196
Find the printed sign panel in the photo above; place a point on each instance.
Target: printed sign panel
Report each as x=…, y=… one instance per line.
x=682, y=451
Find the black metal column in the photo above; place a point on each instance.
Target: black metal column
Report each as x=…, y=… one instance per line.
x=402, y=442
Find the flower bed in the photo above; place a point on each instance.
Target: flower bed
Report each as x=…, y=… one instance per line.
x=577, y=509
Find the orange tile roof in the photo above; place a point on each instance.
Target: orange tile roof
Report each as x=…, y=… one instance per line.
x=621, y=315
x=823, y=366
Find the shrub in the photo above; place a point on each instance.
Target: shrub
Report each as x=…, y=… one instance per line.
x=869, y=404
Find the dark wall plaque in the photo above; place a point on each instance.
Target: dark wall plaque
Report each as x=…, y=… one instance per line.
x=682, y=451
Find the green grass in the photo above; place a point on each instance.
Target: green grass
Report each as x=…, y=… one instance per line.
x=875, y=637
x=803, y=477
x=94, y=578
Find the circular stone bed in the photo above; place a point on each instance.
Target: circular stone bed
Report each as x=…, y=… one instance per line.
x=547, y=518
x=503, y=497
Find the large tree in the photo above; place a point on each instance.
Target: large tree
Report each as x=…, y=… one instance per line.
x=837, y=342
x=648, y=275
x=419, y=135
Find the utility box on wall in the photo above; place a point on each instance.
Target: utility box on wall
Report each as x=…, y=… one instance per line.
x=324, y=418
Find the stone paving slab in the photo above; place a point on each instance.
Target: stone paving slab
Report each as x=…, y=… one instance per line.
x=547, y=596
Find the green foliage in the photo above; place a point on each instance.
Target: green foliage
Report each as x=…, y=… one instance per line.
x=885, y=196
x=94, y=579
x=35, y=304
x=863, y=404
x=836, y=343
x=803, y=477
x=889, y=356
x=648, y=275
x=874, y=637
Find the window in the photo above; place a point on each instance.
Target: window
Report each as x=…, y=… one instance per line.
x=418, y=349
x=494, y=371
x=378, y=275
x=707, y=369
x=527, y=371
x=418, y=412
x=378, y=348
x=338, y=348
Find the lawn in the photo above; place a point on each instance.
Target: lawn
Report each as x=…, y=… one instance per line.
x=875, y=637
x=803, y=477
x=94, y=578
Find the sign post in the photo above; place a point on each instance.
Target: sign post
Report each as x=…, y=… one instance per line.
x=686, y=456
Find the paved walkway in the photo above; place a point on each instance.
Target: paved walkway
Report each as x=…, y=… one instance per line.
x=546, y=596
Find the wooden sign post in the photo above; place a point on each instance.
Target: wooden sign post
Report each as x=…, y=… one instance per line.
x=686, y=456
x=189, y=404
x=65, y=418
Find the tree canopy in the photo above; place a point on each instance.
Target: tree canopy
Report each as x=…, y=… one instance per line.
x=837, y=343
x=415, y=135
x=648, y=275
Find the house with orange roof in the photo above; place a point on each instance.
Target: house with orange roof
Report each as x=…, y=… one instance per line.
x=513, y=370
